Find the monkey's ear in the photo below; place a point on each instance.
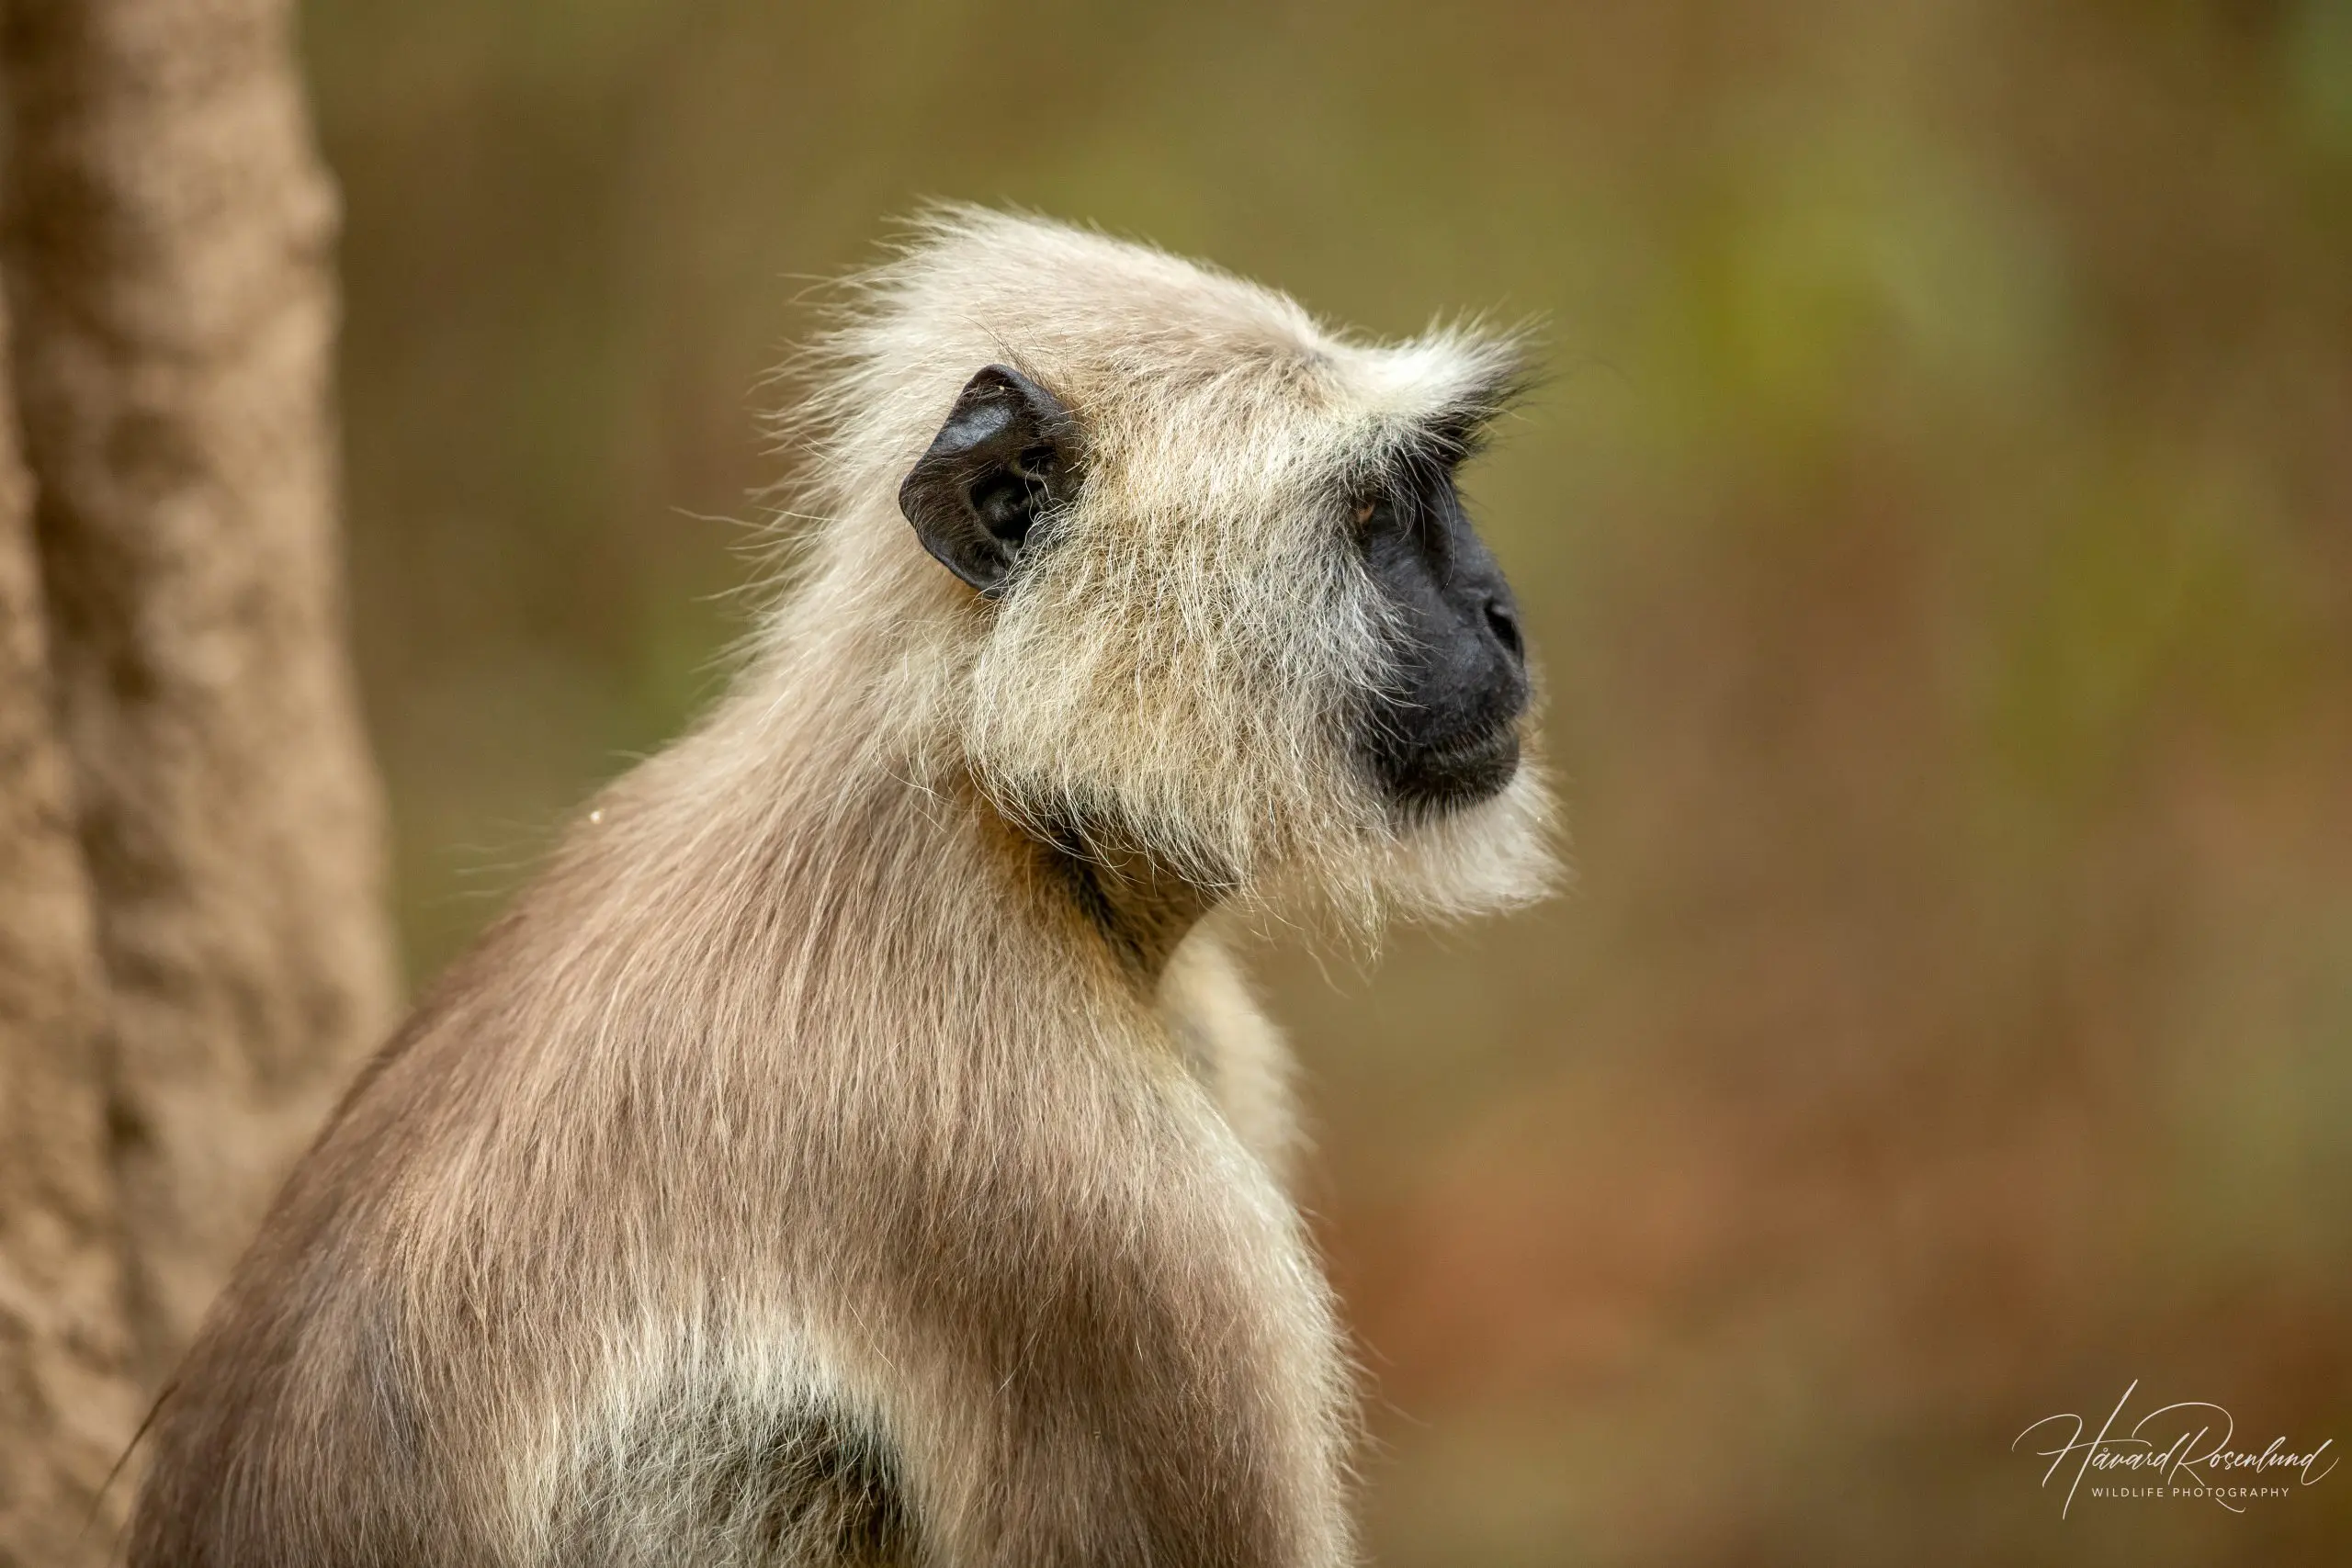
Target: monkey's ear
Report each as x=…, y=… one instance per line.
x=1006, y=455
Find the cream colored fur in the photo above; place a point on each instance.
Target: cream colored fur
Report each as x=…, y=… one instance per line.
x=795, y=1173
x=1152, y=671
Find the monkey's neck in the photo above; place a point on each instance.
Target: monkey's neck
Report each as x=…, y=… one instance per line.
x=773, y=765
x=1140, y=908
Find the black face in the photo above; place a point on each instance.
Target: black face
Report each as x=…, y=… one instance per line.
x=1443, y=733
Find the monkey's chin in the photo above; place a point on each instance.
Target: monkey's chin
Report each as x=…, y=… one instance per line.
x=1444, y=779
x=1482, y=856
x=1478, y=856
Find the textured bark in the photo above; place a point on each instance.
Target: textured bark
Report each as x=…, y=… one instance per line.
x=65, y=1404
x=168, y=246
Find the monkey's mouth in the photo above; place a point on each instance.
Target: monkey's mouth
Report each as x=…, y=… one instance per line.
x=1434, y=780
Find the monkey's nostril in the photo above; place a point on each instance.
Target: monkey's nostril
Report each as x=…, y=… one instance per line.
x=1505, y=622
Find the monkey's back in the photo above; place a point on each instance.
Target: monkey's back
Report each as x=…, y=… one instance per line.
x=496, y=1315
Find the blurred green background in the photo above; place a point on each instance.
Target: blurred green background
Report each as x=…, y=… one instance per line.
x=1938, y=533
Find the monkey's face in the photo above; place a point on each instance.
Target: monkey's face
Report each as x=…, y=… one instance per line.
x=1194, y=575
x=1442, y=729
x=1226, y=630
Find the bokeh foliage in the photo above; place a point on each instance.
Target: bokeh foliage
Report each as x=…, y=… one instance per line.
x=1937, y=532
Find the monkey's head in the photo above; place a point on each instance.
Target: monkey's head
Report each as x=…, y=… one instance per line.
x=1172, y=569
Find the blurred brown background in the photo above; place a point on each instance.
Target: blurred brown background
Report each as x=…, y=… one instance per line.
x=1937, y=530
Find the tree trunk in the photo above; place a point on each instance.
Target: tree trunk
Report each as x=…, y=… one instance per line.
x=193, y=949
x=168, y=253
x=65, y=1405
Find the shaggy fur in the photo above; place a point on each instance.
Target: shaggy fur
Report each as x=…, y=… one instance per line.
x=858, y=1148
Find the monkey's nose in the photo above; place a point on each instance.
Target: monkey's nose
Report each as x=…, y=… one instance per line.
x=1502, y=619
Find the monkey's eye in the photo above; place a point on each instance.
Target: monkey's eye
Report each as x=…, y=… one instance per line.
x=1397, y=519
x=1387, y=514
